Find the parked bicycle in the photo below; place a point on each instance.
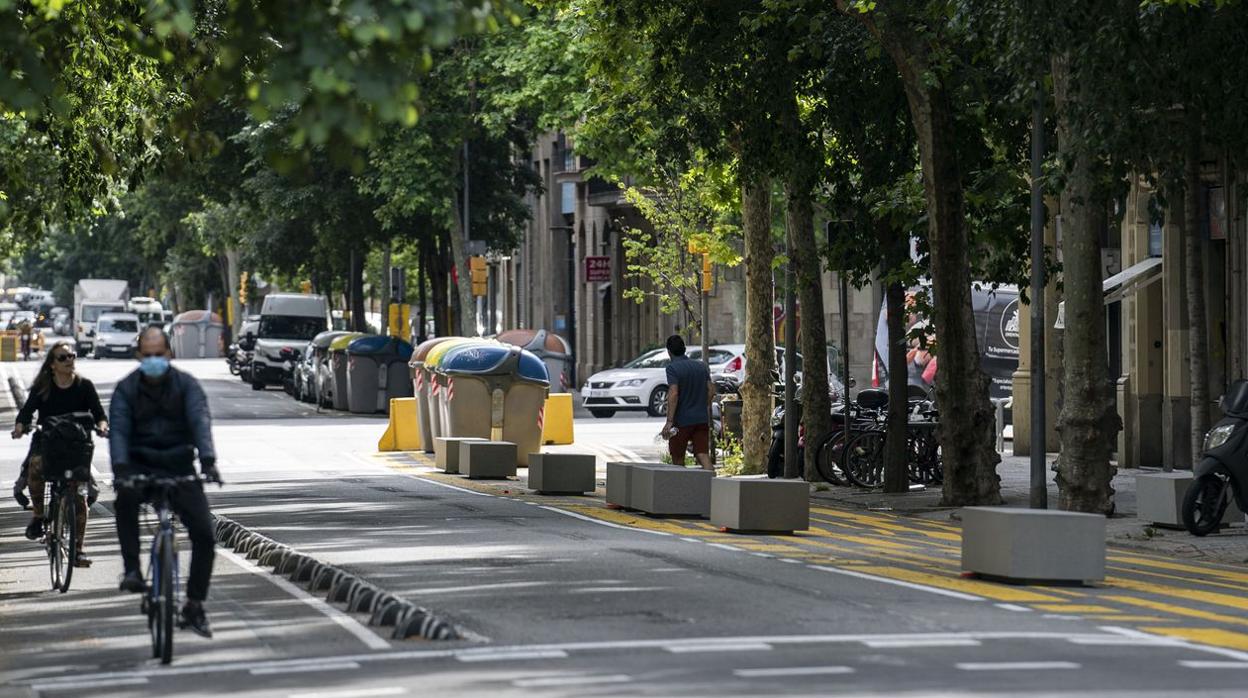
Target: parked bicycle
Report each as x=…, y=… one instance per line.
x=160, y=598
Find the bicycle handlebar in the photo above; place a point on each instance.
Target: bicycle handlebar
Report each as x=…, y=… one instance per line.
x=141, y=479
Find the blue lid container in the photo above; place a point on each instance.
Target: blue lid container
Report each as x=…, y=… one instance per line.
x=477, y=358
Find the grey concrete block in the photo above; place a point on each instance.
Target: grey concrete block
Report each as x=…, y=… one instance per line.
x=1033, y=544
x=487, y=459
x=760, y=504
x=668, y=490
x=1159, y=499
x=562, y=473
x=446, y=452
x=619, y=481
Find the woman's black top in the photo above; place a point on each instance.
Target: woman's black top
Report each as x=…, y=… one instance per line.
x=80, y=396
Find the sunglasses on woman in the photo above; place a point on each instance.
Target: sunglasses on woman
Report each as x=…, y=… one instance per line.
x=66, y=356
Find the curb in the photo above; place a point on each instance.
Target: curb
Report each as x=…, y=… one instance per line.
x=339, y=586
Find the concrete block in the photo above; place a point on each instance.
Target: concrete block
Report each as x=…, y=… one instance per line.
x=668, y=490
x=619, y=481
x=760, y=504
x=1159, y=499
x=562, y=473
x=487, y=459
x=1033, y=544
x=446, y=452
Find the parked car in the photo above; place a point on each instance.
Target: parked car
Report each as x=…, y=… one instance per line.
x=116, y=335
x=20, y=317
x=62, y=325
x=305, y=375
x=735, y=368
x=641, y=384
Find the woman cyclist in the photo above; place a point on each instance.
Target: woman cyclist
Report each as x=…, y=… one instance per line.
x=57, y=390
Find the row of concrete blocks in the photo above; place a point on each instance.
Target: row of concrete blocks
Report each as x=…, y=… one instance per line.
x=731, y=503
x=549, y=473
x=340, y=586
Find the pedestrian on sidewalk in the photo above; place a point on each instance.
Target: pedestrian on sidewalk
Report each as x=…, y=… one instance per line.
x=688, y=398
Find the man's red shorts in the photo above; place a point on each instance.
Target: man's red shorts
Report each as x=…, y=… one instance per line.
x=677, y=446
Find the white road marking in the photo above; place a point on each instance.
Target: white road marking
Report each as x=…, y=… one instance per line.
x=1015, y=666
x=346, y=622
x=792, y=671
x=490, y=656
x=767, y=555
x=900, y=583
x=354, y=693
x=453, y=487
x=1162, y=639
x=600, y=522
x=724, y=546
x=1205, y=664
x=903, y=643
x=691, y=540
x=1126, y=641
x=1013, y=607
x=554, y=681
x=327, y=666
x=603, y=646
x=790, y=561
x=481, y=587
x=76, y=685
x=720, y=647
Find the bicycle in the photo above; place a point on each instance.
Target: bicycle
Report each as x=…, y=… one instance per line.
x=66, y=450
x=160, y=597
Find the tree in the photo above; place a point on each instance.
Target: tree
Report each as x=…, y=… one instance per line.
x=916, y=35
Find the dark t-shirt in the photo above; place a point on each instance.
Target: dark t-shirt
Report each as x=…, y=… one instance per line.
x=80, y=396
x=690, y=378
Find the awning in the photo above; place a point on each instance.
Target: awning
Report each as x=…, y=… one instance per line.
x=1120, y=285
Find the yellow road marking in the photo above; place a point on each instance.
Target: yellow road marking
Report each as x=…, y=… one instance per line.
x=1177, y=610
x=1209, y=597
x=1192, y=580
x=1179, y=567
x=987, y=590
x=1073, y=608
x=1205, y=636
x=626, y=518
x=887, y=526
x=861, y=540
x=1132, y=619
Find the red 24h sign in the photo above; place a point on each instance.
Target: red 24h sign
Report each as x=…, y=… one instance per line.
x=597, y=269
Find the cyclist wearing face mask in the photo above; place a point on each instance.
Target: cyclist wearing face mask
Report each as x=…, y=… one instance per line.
x=160, y=419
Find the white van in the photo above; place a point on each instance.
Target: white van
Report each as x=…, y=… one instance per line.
x=149, y=310
x=287, y=320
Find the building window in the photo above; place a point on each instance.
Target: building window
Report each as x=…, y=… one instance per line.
x=567, y=198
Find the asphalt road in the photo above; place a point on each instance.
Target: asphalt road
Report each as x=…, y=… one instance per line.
x=554, y=601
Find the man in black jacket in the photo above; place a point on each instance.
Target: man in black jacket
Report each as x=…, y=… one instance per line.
x=159, y=419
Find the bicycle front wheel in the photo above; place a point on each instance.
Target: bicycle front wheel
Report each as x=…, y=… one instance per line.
x=57, y=561
x=828, y=456
x=168, y=598
x=67, y=535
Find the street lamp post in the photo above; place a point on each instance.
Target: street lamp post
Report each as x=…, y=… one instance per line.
x=1039, y=498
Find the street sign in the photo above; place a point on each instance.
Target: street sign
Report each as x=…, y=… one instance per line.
x=480, y=275
x=597, y=269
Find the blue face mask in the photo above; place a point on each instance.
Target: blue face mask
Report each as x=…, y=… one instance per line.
x=154, y=366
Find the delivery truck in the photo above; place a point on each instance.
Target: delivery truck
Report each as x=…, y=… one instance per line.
x=92, y=298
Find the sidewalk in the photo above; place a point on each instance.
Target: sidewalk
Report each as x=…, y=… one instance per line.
x=1228, y=546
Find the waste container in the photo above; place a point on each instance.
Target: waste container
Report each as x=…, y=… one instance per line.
x=338, y=369
x=497, y=392
x=369, y=363
x=420, y=386
x=196, y=334
x=437, y=382
x=322, y=375
x=552, y=349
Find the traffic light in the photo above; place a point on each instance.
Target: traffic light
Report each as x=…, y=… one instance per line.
x=242, y=289
x=480, y=275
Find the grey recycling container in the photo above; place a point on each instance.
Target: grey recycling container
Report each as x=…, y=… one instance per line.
x=338, y=369
x=421, y=387
x=196, y=334
x=376, y=371
x=551, y=348
x=497, y=392
x=323, y=377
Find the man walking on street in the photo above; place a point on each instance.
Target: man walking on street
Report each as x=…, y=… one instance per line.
x=688, y=397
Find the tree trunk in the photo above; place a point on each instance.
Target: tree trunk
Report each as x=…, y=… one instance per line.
x=813, y=342
x=1198, y=326
x=967, y=420
x=760, y=352
x=896, y=442
x=465, y=312
x=356, y=284
x=1088, y=422
x=385, y=290
x=422, y=306
x=437, y=288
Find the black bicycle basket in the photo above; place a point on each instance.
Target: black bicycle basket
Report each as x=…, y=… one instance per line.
x=67, y=450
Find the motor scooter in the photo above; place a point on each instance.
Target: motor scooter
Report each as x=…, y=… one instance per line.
x=1222, y=473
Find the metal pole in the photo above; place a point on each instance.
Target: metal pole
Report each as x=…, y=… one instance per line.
x=705, y=311
x=1039, y=498
x=792, y=468
x=849, y=422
